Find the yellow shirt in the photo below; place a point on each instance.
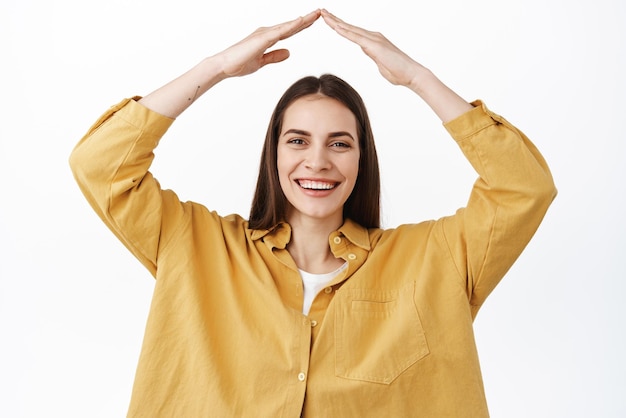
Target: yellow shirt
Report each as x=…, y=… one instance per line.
x=390, y=337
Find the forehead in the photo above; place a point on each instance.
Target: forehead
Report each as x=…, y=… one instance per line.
x=319, y=113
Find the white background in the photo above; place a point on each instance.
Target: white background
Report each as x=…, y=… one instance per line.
x=73, y=301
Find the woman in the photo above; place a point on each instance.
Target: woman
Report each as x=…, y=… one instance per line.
x=310, y=309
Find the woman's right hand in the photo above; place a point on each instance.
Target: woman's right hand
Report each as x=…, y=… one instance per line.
x=249, y=55
x=245, y=57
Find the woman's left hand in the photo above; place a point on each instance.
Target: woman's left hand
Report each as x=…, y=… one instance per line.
x=400, y=69
x=393, y=64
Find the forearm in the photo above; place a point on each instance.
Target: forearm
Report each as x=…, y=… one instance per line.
x=442, y=100
x=177, y=95
x=245, y=57
x=400, y=69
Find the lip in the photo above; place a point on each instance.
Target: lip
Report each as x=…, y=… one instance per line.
x=325, y=186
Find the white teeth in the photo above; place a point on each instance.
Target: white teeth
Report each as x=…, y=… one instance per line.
x=316, y=185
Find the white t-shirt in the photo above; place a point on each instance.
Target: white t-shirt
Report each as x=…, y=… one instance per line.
x=313, y=283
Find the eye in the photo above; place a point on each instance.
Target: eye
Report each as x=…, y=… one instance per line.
x=296, y=141
x=340, y=144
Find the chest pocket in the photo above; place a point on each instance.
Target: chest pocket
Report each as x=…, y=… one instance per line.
x=378, y=335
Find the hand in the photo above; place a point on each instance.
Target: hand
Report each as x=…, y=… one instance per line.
x=393, y=64
x=245, y=57
x=249, y=55
x=400, y=69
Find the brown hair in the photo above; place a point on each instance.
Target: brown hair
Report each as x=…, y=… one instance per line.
x=269, y=205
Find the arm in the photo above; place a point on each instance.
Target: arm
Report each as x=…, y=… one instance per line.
x=243, y=58
x=506, y=206
x=112, y=160
x=514, y=188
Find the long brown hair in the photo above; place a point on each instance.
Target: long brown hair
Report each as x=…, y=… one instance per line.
x=269, y=205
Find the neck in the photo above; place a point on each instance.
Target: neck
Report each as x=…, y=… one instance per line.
x=309, y=245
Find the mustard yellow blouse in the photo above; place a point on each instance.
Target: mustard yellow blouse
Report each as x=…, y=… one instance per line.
x=391, y=337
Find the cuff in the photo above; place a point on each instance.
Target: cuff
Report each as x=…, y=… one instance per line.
x=472, y=121
x=141, y=117
x=137, y=115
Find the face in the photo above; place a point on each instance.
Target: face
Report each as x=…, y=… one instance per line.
x=318, y=158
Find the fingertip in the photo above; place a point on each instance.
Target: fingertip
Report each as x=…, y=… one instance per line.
x=316, y=12
x=326, y=16
x=330, y=18
x=282, y=54
x=275, y=56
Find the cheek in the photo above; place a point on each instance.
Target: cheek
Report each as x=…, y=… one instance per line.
x=283, y=169
x=354, y=168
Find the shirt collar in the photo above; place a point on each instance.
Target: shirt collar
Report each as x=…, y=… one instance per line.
x=356, y=234
x=279, y=235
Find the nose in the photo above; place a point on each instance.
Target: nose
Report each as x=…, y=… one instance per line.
x=317, y=158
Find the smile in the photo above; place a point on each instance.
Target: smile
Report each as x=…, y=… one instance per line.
x=316, y=185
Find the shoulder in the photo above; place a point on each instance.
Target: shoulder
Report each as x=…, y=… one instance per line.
x=408, y=234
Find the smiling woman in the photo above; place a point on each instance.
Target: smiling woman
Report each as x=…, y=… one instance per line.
x=269, y=205
x=318, y=162
x=318, y=165
x=309, y=308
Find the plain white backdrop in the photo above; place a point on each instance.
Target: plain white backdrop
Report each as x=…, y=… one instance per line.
x=73, y=301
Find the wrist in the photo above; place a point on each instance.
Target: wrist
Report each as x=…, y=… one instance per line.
x=421, y=79
x=445, y=103
x=212, y=69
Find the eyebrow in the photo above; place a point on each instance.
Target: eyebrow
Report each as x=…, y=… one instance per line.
x=331, y=135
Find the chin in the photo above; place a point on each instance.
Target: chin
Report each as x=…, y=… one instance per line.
x=318, y=215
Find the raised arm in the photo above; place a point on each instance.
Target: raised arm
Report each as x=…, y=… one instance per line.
x=111, y=162
x=514, y=188
x=243, y=58
x=400, y=69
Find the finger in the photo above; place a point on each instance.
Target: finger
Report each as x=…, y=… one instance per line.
x=337, y=24
x=304, y=22
x=287, y=29
x=365, y=42
x=353, y=36
x=330, y=18
x=275, y=56
x=308, y=20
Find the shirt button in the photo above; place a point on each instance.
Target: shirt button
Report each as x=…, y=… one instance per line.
x=301, y=377
x=313, y=323
x=352, y=256
x=337, y=240
x=328, y=290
